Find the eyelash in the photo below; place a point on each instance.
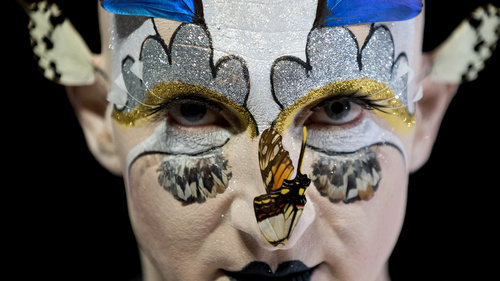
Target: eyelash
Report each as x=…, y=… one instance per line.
x=224, y=119
x=175, y=102
x=361, y=100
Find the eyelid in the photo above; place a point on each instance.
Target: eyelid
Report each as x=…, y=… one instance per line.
x=373, y=92
x=362, y=101
x=216, y=114
x=177, y=101
x=167, y=91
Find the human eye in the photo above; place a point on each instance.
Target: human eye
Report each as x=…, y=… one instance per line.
x=188, y=109
x=338, y=111
x=197, y=113
x=341, y=122
x=192, y=125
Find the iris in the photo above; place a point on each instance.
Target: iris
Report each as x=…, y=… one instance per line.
x=193, y=112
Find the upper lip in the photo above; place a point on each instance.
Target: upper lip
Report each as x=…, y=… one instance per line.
x=257, y=270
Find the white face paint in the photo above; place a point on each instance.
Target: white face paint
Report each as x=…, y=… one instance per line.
x=191, y=106
x=260, y=33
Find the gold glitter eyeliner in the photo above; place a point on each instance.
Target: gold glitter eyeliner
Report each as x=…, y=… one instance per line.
x=161, y=93
x=392, y=110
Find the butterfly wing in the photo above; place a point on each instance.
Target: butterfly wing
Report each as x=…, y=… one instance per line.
x=277, y=214
x=279, y=210
x=62, y=54
x=463, y=55
x=275, y=162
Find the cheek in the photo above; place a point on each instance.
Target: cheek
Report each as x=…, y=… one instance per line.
x=363, y=232
x=386, y=213
x=168, y=231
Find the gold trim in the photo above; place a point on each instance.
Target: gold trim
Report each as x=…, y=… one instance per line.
x=144, y=113
x=394, y=113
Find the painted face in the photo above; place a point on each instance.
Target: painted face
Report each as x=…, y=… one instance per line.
x=209, y=116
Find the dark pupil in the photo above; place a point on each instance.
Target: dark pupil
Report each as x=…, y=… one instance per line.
x=338, y=109
x=193, y=112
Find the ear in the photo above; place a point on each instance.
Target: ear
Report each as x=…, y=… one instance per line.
x=93, y=112
x=458, y=59
x=430, y=111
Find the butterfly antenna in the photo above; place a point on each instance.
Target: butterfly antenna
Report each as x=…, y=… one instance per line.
x=302, y=149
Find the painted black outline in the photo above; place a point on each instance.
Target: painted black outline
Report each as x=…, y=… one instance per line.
x=322, y=12
x=335, y=153
x=122, y=65
x=153, y=152
x=214, y=67
x=307, y=64
x=157, y=152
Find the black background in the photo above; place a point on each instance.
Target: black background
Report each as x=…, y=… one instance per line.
x=65, y=217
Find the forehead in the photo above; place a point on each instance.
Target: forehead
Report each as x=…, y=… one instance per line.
x=264, y=29
x=260, y=32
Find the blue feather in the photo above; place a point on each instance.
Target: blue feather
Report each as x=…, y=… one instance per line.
x=339, y=12
x=347, y=12
x=179, y=10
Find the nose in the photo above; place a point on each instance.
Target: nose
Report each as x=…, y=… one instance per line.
x=278, y=218
x=243, y=218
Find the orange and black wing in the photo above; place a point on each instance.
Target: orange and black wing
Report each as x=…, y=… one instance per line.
x=275, y=162
x=279, y=210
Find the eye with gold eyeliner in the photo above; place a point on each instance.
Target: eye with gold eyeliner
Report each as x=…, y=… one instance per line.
x=341, y=110
x=196, y=113
x=337, y=102
x=192, y=124
x=187, y=106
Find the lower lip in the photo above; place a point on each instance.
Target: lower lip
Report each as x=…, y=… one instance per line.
x=289, y=271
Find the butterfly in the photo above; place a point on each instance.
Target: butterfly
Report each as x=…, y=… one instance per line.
x=62, y=54
x=466, y=51
x=279, y=210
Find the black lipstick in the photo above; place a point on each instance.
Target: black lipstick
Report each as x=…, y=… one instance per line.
x=257, y=270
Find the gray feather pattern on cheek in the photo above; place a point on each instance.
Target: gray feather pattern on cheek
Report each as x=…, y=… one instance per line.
x=193, y=179
x=347, y=177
